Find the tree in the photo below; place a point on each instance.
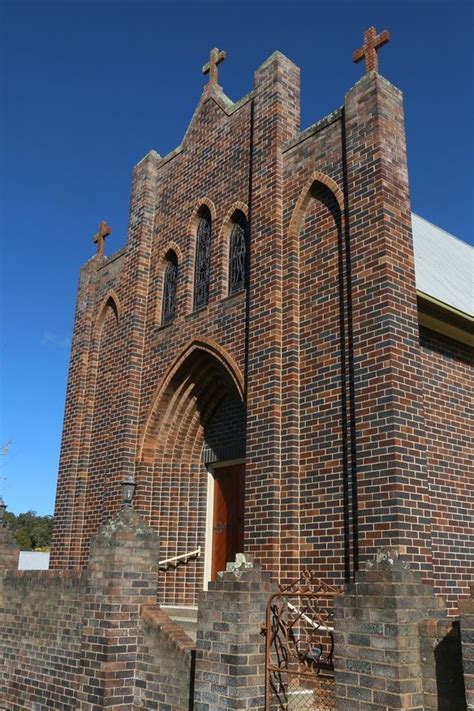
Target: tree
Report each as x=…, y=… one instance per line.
x=32, y=532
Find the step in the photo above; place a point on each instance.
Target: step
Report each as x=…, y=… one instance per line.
x=183, y=615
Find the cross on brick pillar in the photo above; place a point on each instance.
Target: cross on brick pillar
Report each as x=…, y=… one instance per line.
x=372, y=42
x=215, y=58
x=99, y=238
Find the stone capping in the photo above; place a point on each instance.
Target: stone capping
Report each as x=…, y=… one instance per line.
x=388, y=625
x=276, y=55
x=75, y=577
x=368, y=76
x=112, y=258
x=126, y=527
x=228, y=106
x=155, y=618
x=313, y=129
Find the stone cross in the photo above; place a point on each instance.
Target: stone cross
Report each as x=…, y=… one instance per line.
x=215, y=58
x=99, y=238
x=372, y=42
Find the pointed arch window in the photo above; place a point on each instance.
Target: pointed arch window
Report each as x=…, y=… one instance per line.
x=238, y=253
x=203, y=259
x=170, y=282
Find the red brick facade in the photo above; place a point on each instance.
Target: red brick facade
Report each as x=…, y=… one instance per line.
x=351, y=440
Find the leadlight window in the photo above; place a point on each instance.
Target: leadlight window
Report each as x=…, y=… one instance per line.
x=170, y=282
x=203, y=259
x=238, y=254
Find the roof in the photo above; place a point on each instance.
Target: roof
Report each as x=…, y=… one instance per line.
x=33, y=560
x=443, y=265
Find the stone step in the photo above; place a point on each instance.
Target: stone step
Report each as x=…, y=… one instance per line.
x=183, y=615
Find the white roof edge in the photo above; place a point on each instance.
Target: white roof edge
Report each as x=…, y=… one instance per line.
x=443, y=265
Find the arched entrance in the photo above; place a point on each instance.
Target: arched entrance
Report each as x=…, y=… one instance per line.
x=192, y=468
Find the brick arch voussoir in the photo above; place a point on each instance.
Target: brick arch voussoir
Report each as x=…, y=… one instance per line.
x=194, y=219
x=207, y=346
x=181, y=406
x=186, y=423
x=198, y=424
x=305, y=196
x=193, y=476
x=185, y=401
x=170, y=246
x=110, y=301
x=110, y=304
x=192, y=410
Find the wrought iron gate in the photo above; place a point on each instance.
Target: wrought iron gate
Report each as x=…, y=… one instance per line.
x=299, y=668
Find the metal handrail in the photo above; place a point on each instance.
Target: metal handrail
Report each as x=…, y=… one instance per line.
x=302, y=616
x=183, y=556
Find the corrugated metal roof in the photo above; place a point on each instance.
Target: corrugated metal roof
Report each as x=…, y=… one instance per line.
x=33, y=560
x=443, y=265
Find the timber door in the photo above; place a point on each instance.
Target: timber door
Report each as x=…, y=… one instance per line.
x=228, y=517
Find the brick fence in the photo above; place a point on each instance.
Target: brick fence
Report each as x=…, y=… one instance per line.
x=99, y=639
x=395, y=646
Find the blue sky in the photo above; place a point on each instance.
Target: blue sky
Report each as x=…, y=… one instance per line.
x=90, y=87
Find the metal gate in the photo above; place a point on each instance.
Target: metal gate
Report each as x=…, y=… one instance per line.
x=299, y=668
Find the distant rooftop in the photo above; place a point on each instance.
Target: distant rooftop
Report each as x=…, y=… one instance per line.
x=443, y=266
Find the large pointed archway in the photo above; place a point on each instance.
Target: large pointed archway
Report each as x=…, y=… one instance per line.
x=192, y=447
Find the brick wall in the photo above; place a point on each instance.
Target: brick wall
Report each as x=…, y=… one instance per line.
x=230, y=657
x=449, y=426
x=321, y=351
x=165, y=663
x=395, y=648
x=40, y=644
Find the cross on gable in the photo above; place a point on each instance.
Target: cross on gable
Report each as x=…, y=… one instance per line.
x=215, y=58
x=99, y=238
x=372, y=42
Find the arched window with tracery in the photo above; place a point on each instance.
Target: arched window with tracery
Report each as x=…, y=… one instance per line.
x=170, y=282
x=203, y=259
x=238, y=253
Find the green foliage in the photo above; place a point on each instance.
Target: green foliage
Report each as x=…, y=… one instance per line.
x=32, y=532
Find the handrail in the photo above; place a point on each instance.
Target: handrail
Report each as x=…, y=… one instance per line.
x=302, y=616
x=183, y=556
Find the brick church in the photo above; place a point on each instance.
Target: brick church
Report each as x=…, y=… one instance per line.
x=281, y=354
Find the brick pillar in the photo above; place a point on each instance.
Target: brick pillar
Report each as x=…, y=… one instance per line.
x=67, y=531
x=136, y=275
x=275, y=120
x=393, y=496
x=230, y=652
x=378, y=661
x=122, y=577
x=9, y=550
x=466, y=614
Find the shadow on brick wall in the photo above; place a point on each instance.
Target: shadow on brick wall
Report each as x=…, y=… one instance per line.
x=449, y=671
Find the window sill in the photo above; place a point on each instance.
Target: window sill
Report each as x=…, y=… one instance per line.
x=198, y=311
x=164, y=326
x=236, y=296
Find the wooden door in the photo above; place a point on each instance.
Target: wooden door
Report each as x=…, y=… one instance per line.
x=228, y=520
